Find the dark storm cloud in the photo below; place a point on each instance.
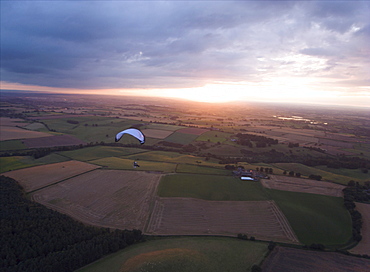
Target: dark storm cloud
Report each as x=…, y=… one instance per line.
x=119, y=44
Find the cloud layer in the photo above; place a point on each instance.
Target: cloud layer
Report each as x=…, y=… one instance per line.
x=119, y=44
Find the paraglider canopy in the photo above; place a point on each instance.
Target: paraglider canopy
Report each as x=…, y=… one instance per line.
x=133, y=132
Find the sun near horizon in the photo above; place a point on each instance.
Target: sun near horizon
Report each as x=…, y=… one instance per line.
x=223, y=92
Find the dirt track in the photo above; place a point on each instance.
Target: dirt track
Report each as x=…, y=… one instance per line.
x=178, y=216
x=294, y=184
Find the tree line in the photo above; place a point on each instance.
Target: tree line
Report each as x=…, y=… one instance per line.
x=359, y=193
x=35, y=238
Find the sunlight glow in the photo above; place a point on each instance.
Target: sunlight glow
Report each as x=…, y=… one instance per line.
x=277, y=89
x=272, y=90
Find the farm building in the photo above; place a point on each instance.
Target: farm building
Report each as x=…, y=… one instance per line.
x=249, y=174
x=247, y=178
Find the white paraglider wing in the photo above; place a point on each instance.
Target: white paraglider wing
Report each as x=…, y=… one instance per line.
x=133, y=132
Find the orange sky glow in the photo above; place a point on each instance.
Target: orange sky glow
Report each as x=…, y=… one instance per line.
x=227, y=92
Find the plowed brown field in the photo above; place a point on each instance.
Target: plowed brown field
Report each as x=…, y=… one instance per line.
x=14, y=133
x=107, y=198
x=293, y=184
x=12, y=122
x=178, y=216
x=157, y=133
x=57, y=140
x=10, y=129
x=289, y=259
x=34, y=178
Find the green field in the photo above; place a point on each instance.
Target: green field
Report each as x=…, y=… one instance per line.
x=210, y=187
x=315, y=218
x=173, y=157
x=214, y=136
x=184, y=255
x=12, y=163
x=98, y=152
x=201, y=169
x=163, y=127
x=127, y=164
x=36, y=127
x=181, y=138
x=92, y=128
x=12, y=145
x=18, y=162
x=336, y=175
x=354, y=174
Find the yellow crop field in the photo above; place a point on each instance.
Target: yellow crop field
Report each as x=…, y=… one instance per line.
x=36, y=177
x=108, y=198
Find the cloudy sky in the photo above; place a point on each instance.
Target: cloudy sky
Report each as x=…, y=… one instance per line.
x=293, y=51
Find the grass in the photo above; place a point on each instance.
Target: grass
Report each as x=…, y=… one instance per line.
x=225, y=150
x=173, y=157
x=183, y=255
x=163, y=127
x=198, y=169
x=210, y=187
x=12, y=163
x=51, y=158
x=355, y=174
x=12, y=145
x=87, y=130
x=98, y=152
x=181, y=138
x=36, y=127
x=19, y=162
x=315, y=218
x=127, y=164
x=214, y=136
x=336, y=175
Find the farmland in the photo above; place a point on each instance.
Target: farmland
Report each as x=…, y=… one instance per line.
x=191, y=254
x=184, y=184
x=287, y=259
x=286, y=183
x=13, y=129
x=177, y=216
x=124, y=204
x=315, y=218
x=210, y=187
x=40, y=176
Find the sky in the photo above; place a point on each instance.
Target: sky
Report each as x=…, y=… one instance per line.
x=213, y=51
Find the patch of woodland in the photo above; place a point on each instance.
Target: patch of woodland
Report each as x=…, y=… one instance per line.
x=35, y=238
x=356, y=192
x=258, y=141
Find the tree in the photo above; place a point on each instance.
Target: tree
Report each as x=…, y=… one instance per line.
x=256, y=268
x=271, y=246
